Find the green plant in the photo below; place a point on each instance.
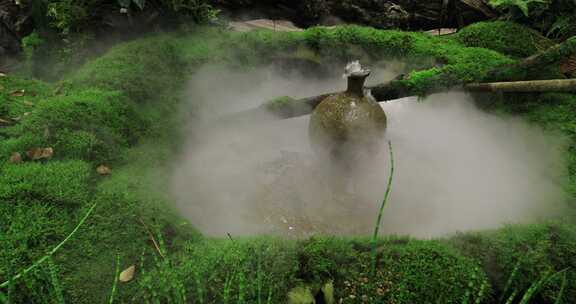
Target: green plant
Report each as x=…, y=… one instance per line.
x=68, y=15
x=48, y=256
x=381, y=210
x=30, y=43
x=521, y=5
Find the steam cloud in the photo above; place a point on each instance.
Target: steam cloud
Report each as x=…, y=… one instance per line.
x=458, y=168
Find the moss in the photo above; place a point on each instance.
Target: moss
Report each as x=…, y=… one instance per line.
x=141, y=69
x=117, y=101
x=449, y=62
x=225, y=271
x=36, y=204
x=409, y=271
x=505, y=37
x=62, y=184
x=535, y=250
x=92, y=125
x=278, y=103
x=20, y=95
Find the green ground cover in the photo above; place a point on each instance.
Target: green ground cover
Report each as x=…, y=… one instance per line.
x=123, y=110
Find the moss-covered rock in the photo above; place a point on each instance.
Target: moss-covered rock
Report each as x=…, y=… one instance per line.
x=344, y=123
x=505, y=37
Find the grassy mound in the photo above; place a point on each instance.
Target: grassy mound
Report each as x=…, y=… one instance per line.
x=264, y=271
x=517, y=257
x=122, y=110
x=504, y=37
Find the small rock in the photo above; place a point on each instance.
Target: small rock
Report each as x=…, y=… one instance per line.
x=2, y=74
x=16, y=158
x=103, y=170
x=352, y=297
x=127, y=275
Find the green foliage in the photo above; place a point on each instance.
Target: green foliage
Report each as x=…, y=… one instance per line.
x=61, y=184
x=92, y=125
x=14, y=107
x=448, y=61
x=114, y=103
x=225, y=271
x=504, y=37
x=141, y=69
x=554, y=18
x=408, y=271
x=30, y=43
x=68, y=15
x=533, y=251
x=521, y=5
x=38, y=200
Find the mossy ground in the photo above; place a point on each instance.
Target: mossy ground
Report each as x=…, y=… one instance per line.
x=122, y=110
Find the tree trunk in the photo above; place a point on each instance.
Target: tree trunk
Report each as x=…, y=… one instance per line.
x=554, y=85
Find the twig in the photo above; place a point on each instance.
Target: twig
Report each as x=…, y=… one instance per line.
x=381, y=211
x=229, y=236
x=152, y=238
x=52, y=252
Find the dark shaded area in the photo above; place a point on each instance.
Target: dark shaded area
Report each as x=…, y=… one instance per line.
x=403, y=14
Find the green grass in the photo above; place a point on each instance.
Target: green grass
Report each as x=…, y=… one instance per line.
x=124, y=110
x=530, y=251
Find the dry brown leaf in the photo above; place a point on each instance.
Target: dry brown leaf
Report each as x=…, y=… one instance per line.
x=127, y=275
x=103, y=170
x=16, y=158
x=5, y=122
x=17, y=93
x=40, y=153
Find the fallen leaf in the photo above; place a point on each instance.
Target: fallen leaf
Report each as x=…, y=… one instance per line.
x=127, y=275
x=2, y=74
x=5, y=122
x=40, y=153
x=17, y=93
x=103, y=170
x=46, y=132
x=28, y=103
x=26, y=114
x=16, y=158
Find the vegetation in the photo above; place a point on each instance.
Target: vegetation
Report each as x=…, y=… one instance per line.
x=504, y=37
x=122, y=110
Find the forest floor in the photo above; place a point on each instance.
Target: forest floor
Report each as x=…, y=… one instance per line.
x=100, y=142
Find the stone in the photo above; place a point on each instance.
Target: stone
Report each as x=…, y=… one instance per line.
x=348, y=121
